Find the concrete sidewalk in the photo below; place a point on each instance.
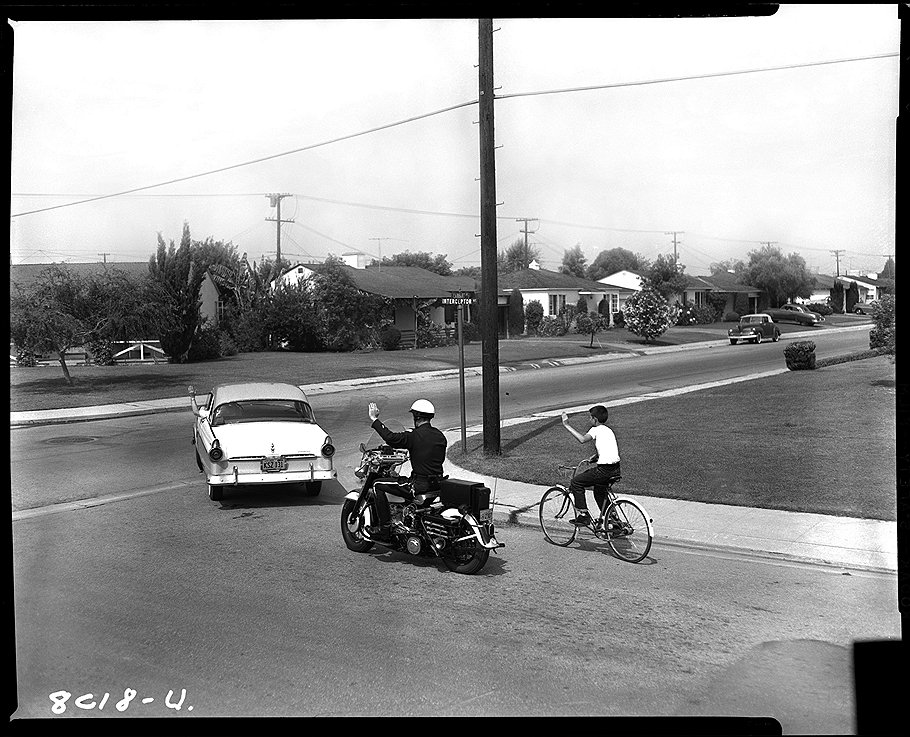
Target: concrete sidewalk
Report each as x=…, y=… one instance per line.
x=846, y=542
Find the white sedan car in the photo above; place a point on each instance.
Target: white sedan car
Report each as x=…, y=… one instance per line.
x=259, y=433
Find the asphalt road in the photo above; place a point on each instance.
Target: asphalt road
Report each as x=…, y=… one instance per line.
x=255, y=607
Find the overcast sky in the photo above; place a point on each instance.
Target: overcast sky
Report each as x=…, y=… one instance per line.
x=802, y=157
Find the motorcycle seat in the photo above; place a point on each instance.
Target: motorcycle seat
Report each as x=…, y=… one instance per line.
x=404, y=490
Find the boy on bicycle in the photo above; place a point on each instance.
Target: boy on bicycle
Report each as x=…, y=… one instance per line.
x=607, y=459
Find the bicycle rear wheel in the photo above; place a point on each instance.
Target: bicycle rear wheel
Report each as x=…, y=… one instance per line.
x=556, y=514
x=633, y=540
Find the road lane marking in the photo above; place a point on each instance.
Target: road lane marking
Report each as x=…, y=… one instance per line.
x=95, y=501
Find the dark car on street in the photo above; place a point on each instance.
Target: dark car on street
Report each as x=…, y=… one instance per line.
x=864, y=308
x=754, y=329
x=795, y=313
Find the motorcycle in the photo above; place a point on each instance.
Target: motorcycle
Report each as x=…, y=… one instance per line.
x=454, y=523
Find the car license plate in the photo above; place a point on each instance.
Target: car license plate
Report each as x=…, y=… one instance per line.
x=273, y=465
x=486, y=515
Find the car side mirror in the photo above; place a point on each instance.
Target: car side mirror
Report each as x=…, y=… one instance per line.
x=363, y=448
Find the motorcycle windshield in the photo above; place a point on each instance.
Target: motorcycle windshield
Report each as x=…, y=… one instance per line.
x=374, y=441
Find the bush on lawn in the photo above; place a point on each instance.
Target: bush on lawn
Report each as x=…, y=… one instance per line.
x=26, y=358
x=882, y=333
x=820, y=307
x=533, y=316
x=619, y=320
x=800, y=355
x=470, y=332
x=731, y=317
x=102, y=352
x=389, y=338
x=833, y=360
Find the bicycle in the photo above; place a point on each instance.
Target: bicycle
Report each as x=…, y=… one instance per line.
x=622, y=522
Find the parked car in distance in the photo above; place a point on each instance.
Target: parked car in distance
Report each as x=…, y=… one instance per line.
x=754, y=329
x=795, y=313
x=865, y=308
x=259, y=433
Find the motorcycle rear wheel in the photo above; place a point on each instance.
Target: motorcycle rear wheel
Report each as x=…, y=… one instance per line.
x=351, y=530
x=467, y=556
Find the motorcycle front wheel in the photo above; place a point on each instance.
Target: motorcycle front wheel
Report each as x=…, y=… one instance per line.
x=467, y=556
x=351, y=525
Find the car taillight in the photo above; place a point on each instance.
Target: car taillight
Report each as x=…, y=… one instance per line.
x=328, y=450
x=216, y=454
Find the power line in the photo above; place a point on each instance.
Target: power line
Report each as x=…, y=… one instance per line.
x=253, y=161
x=692, y=77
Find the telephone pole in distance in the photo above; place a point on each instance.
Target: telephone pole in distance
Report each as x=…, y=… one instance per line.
x=275, y=200
x=674, y=233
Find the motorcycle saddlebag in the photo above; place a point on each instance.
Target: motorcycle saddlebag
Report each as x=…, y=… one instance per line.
x=456, y=492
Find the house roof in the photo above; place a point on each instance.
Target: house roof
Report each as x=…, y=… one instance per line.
x=405, y=282
x=722, y=282
x=545, y=279
x=24, y=275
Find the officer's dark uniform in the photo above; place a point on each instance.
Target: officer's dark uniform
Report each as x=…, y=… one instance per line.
x=427, y=448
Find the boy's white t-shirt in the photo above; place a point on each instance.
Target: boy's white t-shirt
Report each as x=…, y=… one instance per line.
x=605, y=442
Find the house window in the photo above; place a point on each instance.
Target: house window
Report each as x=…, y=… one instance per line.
x=700, y=299
x=614, y=303
x=557, y=303
x=220, y=307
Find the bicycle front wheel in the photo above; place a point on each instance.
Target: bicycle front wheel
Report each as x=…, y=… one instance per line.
x=632, y=540
x=556, y=514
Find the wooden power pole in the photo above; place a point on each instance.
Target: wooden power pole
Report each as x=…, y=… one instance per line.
x=489, y=287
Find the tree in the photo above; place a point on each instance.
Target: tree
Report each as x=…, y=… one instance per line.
x=62, y=310
x=730, y=266
x=837, y=297
x=516, y=313
x=518, y=256
x=590, y=323
x=533, y=316
x=438, y=264
x=782, y=277
x=178, y=278
x=346, y=317
x=667, y=278
x=613, y=260
x=290, y=318
x=883, y=318
x=852, y=297
x=648, y=314
x=574, y=261
x=472, y=271
x=887, y=271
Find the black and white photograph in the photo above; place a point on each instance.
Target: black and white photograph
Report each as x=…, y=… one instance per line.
x=408, y=367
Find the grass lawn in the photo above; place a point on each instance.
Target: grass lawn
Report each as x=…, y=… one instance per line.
x=821, y=441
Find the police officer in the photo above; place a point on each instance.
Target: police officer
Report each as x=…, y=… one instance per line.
x=426, y=446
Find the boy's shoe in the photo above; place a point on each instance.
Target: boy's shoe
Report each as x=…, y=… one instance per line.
x=583, y=518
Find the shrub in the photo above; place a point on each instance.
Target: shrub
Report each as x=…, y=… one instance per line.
x=686, y=315
x=470, y=332
x=882, y=333
x=516, y=313
x=731, y=317
x=741, y=304
x=619, y=319
x=800, y=355
x=26, y=358
x=551, y=326
x=226, y=344
x=390, y=338
x=102, y=352
x=533, y=316
x=820, y=307
x=206, y=343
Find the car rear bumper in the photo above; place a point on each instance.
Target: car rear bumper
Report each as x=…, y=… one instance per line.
x=235, y=476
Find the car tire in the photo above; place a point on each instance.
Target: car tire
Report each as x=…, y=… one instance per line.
x=776, y=336
x=733, y=341
x=757, y=339
x=312, y=488
x=216, y=493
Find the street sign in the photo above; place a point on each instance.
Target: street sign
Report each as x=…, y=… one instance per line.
x=459, y=298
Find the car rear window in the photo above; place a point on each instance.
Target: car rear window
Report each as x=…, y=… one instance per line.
x=263, y=410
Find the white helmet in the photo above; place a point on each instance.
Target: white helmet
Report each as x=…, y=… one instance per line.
x=424, y=407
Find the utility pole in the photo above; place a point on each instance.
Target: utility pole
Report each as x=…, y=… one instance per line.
x=525, y=229
x=104, y=256
x=489, y=294
x=674, y=233
x=275, y=200
x=380, y=249
x=837, y=258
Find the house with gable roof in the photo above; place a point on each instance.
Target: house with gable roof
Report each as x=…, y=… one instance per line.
x=554, y=290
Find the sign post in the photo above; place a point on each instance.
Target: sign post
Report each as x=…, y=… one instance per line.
x=460, y=299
